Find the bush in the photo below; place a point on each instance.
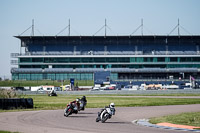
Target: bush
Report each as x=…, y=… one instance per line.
x=4, y=93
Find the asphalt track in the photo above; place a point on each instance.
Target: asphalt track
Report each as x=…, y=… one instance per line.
x=53, y=121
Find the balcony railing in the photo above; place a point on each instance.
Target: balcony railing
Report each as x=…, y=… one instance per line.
x=15, y=55
x=14, y=62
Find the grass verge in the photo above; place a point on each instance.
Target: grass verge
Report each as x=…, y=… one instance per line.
x=191, y=119
x=43, y=102
x=7, y=132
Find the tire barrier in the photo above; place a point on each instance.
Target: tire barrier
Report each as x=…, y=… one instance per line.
x=15, y=103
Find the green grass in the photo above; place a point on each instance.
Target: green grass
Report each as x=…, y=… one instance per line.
x=192, y=119
x=21, y=83
x=7, y=132
x=59, y=102
x=44, y=102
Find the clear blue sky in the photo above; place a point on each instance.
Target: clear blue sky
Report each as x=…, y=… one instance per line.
x=87, y=16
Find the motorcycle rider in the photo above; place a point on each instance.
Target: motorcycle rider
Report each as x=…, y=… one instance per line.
x=83, y=103
x=75, y=103
x=112, y=108
x=52, y=93
x=72, y=107
x=84, y=99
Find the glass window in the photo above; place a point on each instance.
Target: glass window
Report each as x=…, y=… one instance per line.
x=87, y=59
x=185, y=59
x=15, y=76
x=114, y=76
x=173, y=59
x=148, y=59
x=139, y=59
x=36, y=77
x=124, y=59
x=183, y=65
x=25, y=60
x=99, y=59
x=74, y=59
x=51, y=76
x=161, y=59
x=132, y=59
x=196, y=59
x=111, y=59
x=37, y=60
x=24, y=76
x=86, y=76
x=25, y=66
x=60, y=60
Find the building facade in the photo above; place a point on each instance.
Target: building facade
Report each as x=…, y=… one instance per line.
x=125, y=57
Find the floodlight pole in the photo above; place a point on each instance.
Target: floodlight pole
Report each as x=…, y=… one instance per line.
x=69, y=28
x=105, y=27
x=178, y=28
x=32, y=27
x=142, y=26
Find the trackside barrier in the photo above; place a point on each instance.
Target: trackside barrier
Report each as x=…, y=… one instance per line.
x=11, y=103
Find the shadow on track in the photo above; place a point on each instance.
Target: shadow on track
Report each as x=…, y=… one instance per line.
x=86, y=113
x=117, y=122
x=77, y=116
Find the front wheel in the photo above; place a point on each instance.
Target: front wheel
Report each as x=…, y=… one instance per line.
x=105, y=117
x=68, y=112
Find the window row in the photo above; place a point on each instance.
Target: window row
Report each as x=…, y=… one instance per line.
x=53, y=76
x=109, y=60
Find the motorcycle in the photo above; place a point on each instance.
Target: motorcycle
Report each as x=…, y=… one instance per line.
x=71, y=108
x=82, y=105
x=105, y=114
x=52, y=93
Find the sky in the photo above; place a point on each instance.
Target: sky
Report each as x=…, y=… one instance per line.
x=88, y=16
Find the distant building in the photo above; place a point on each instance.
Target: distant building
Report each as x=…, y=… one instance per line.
x=125, y=57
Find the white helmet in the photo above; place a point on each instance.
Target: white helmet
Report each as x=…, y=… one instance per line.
x=112, y=105
x=77, y=100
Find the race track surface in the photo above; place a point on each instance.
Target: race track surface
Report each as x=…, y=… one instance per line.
x=53, y=121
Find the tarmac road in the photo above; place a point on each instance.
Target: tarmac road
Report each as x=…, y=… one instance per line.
x=53, y=121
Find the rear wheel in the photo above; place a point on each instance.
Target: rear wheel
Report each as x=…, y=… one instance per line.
x=97, y=119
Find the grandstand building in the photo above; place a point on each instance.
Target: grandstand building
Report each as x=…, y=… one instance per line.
x=123, y=57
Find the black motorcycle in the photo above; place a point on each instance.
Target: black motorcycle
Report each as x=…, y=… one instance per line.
x=53, y=93
x=83, y=103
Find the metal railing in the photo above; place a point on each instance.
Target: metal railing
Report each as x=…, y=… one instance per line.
x=15, y=55
x=14, y=62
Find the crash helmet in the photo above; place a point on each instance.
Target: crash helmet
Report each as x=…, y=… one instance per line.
x=112, y=105
x=77, y=100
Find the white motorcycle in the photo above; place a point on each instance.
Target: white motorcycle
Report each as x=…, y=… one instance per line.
x=106, y=113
